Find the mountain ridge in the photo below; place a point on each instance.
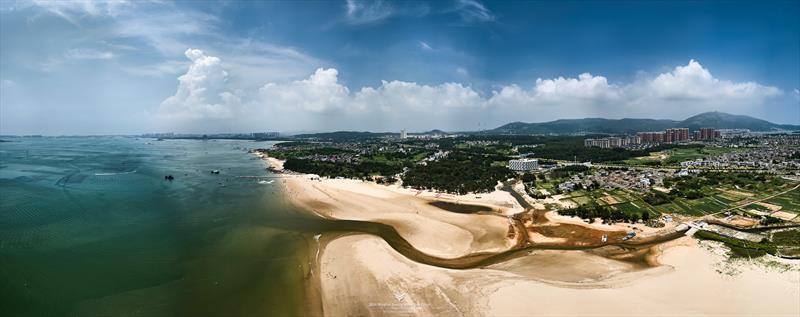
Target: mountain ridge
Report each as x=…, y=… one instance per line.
x=714, y=119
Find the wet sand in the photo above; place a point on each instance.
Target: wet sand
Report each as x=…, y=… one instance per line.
x=363, y=275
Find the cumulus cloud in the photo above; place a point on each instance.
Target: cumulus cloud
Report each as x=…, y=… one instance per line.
x=320, y=92
x=202, y=92
x=321, y=101
x=695, y=82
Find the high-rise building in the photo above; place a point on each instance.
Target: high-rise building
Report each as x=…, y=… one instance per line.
x=708, y=133
x=613, y=142
x=683, y=134
x=403, y=134
x=675, y=135
x=651, y=137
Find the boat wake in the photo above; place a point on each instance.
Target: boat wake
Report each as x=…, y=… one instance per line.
x=118, y=173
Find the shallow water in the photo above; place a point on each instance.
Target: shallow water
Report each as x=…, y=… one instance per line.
x=90, y=226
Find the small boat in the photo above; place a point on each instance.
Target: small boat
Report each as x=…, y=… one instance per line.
x=629, y=236
x=215, y=172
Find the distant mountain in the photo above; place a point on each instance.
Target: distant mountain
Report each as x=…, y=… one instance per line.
x=434, y=131
x=721, y=120
x=589, y=125
x=718, y=120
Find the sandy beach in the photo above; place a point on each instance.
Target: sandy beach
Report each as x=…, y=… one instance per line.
x=428, y=228
x=362, y=275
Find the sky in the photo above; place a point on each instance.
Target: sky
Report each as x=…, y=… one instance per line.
x=129, y=67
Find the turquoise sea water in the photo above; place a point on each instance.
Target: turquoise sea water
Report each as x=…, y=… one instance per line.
x=89, y=226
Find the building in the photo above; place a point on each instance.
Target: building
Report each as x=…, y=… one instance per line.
x=525, y=164
x=672, y=135
x=403, y=134
x=676, y=135
x=651, y=137
x=613, y=142
x=708, y=134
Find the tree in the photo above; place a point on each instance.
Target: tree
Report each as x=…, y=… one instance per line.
x=528, y=178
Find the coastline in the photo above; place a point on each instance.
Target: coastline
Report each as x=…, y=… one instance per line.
x=361, y=274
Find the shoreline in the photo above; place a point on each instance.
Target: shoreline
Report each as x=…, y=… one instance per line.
x=381, y=281
x=371, y=265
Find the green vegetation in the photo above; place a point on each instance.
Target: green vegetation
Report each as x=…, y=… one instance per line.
x=459, y=173
x=787, y=237
x=608, y=213
x=297, y=153
x=789, y=201
x=740, y=248
x=705, y=184
x=340, y=169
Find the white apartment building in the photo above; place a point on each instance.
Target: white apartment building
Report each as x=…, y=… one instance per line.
x=523, y=164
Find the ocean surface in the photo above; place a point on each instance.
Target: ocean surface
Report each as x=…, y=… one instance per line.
x=89, y=226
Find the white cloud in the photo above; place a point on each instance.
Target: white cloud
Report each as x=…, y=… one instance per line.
x=585, y=86
x=474, y=11
x=693, y=82
x=425, y=46
x=83, y=54
x=75, y=10
x=361, y=11
x=400, y=96
x=74, y=55
x=321, y=92
x=158, y=69
x=202, y=93
x=321, y=101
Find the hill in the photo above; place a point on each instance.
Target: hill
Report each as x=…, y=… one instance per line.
x=721, y=120
x=718, y=120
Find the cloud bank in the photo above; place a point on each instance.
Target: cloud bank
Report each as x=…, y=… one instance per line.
x=206, y=99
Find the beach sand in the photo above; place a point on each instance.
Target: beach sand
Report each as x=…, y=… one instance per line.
x=362, y=275
x=428, y=228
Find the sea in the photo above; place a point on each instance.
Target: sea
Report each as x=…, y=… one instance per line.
x=90, y=226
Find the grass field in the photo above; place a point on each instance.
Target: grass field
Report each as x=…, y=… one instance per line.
x=789, y=201
x=582, y=200
x=707, y=205
x=715, y=201
x=632, y=207
x=676, y=156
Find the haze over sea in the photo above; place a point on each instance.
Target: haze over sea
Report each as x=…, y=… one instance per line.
x=90, y=226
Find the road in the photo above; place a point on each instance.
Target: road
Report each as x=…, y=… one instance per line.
x=756, y=201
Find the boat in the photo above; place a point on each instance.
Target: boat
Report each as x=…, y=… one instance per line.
x=629, y=236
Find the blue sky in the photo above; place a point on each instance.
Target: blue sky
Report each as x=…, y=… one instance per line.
x=88, y=67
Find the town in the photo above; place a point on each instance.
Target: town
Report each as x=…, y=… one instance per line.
x=694, y=177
